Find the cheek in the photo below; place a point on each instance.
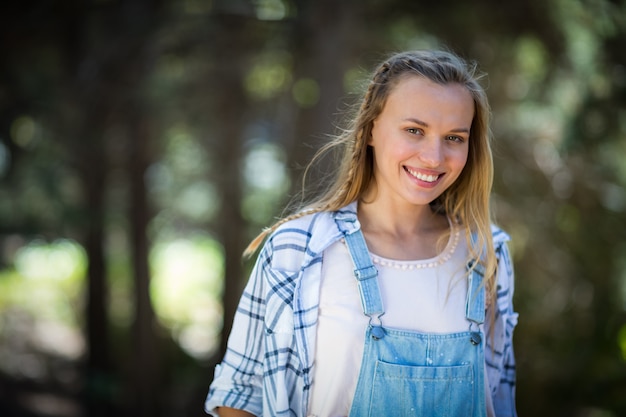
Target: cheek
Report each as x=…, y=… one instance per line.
x=463, y=157
x=463, y=160
x=458, y=161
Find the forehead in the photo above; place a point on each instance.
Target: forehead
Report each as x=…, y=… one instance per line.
x=417, y=94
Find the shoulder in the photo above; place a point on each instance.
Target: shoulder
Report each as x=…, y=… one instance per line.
x=301, y=232
x=504, y=273
x=499, y=236
x=500, y=243
x=298, y=241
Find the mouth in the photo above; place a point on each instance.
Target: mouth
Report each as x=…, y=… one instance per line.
x=429, y=178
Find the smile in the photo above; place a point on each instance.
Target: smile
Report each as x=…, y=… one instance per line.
x=423, y=177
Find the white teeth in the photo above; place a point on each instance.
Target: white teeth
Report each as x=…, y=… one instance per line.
x=420, y=176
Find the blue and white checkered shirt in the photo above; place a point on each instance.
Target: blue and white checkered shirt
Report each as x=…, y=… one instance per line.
x=268, y=366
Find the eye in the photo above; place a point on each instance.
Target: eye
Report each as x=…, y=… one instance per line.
x=455, y=138
x=414, y=130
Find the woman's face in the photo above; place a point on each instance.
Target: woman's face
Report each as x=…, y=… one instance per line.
x=420, y=140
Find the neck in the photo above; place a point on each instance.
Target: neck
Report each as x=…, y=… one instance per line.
x=383, y=216
x=402, y=232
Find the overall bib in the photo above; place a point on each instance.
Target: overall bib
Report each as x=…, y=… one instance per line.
x=406, y=373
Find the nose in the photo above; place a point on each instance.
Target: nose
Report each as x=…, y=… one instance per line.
x=431, y=152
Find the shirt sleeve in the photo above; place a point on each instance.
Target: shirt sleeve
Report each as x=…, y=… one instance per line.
x=238, y=380
x=504, y=396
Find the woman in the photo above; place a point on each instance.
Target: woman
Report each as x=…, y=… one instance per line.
x=392, y=293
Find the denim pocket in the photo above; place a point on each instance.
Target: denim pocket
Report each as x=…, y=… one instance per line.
x=436, y=391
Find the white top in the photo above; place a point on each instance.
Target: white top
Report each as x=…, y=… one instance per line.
x=426, y=296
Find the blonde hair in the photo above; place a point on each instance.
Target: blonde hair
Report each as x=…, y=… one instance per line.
x=466, y=201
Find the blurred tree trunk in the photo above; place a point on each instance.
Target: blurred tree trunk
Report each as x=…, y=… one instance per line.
x=232, y=46
x=93, y=169
x=324, y=47
x=100, y=80
x=135, y=65
x=86, y=121
x=145, y=364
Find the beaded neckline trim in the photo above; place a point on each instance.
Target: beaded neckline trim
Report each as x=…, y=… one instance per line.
x=421, y=264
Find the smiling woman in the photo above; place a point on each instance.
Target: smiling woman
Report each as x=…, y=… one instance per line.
x=384, y=288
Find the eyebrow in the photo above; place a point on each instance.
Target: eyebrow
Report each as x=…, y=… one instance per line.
x=421, y=123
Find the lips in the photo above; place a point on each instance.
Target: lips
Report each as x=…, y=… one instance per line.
x=429, y=178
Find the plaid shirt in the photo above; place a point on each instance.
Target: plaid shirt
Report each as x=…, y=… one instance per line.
x=268, y=366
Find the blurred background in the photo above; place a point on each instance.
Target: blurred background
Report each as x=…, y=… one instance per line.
x=144, y=143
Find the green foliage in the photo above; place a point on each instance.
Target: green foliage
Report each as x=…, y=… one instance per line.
x=187, y=279
x=46, y=281
x=40, y=300
x=306, y=92
x=269, y=76
x=266, y=182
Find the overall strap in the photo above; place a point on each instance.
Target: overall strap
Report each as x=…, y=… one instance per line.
x=475, y=303
x=364, y=270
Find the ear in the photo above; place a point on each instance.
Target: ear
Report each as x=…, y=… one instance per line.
x=370, y=140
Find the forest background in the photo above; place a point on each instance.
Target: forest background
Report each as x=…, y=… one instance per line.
x=144, y=143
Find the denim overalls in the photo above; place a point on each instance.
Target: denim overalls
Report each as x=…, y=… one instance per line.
x=405, y=373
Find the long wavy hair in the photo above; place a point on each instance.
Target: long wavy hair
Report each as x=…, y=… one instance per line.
x=466, y=201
